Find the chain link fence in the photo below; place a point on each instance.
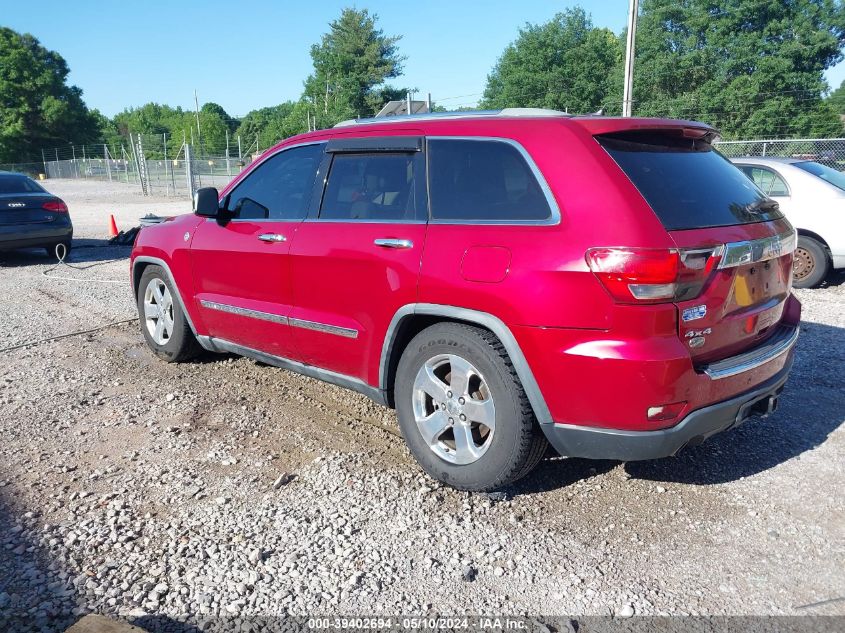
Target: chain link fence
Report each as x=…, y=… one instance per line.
x=156, y=164
x=159, y=165
x=827, y=151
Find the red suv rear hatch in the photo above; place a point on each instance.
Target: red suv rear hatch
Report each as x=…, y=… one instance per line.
x=734, y=247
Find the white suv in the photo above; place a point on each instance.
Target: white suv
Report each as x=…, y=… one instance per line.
x=812, y=196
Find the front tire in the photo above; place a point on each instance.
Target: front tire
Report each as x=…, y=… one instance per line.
x=163, y=322
x=463, y=411
x=812, y=263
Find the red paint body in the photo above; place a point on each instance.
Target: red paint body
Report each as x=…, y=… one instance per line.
x=597, y=362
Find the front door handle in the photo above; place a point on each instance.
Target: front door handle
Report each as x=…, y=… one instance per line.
x=272, y=237
x=393, y=243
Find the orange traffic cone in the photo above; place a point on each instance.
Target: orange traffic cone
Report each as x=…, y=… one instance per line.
x=112, y=227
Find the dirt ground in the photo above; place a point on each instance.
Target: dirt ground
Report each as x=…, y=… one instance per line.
x=224, y=487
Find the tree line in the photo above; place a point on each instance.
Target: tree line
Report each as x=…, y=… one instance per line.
x=752, y=68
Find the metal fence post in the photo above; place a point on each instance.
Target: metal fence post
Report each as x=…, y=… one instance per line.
x=228, y=164
x=166, y=180
x=188, y=171
x=764, y=148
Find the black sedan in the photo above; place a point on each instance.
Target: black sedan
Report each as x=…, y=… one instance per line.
x=30, y=216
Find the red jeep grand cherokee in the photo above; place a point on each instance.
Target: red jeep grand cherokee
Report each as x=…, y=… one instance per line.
x=503, y=279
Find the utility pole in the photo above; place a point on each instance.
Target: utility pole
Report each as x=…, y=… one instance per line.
x=628, y=92
x=199, y=134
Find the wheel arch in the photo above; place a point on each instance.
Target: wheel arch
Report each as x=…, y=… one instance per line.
x=814, y=236
x=140, y=264
x=412, y=319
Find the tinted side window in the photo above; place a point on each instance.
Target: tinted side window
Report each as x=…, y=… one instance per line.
x=483, y=180
x=377, y=186
x=279, y=188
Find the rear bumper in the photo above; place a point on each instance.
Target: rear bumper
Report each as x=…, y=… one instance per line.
x=603, y=443
x=12, y=237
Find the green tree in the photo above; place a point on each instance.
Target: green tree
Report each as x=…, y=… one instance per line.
x=836, y=100
x=37, y=107
x=750, y=67
x=563, y=64
x=350, y=61
x=214, y=109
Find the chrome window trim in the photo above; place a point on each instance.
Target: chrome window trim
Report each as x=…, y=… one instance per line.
x=535, y=170
x=258, y=164
x=767, y=352
x=324, y=327
x=360, y=221
x=759, y=250
x=247, y=312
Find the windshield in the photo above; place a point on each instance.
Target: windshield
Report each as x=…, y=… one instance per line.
x=835, y=178
x=686, y=182
x=18, y=184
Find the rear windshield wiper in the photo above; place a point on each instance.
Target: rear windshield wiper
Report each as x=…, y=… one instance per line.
x=762, y=204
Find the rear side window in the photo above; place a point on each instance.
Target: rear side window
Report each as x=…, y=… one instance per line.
x=371, y=186
x=686, y=182
x=280, y=187
x=835, y=178
x=483, y=180
x=768, y=181
x=19, y=184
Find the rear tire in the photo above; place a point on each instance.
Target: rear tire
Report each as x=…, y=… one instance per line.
x=454, y=380
x=812, y=263
x=163, y=322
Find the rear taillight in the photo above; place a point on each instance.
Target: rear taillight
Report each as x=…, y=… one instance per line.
x=55, y=205
x=652, y=275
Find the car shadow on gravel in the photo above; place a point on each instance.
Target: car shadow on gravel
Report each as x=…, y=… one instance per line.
x=558, y=472
x=811, y=408
x=42, y=592
x=85, y=251
x=31, y=598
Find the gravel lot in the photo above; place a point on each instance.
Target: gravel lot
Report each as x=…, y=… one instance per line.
x=223, y=487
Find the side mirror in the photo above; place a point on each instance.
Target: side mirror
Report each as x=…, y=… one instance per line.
x=206, y=202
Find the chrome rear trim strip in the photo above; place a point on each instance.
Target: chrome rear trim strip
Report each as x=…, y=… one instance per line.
x=255, y=314
x=753, y=251
x=779, y=344
x=323, y=327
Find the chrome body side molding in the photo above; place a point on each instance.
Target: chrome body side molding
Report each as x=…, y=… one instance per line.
x=255, y=314
x=324, y=327
x=492, y=323
x=341, y=380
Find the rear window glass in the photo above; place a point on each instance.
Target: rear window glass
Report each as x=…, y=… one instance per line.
x=686, y=182
x=835, y=178
x=18, y=184
x=483, y=180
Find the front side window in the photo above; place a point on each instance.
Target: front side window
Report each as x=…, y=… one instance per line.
x=371, y=186
x=483, y=180
x=279, y=188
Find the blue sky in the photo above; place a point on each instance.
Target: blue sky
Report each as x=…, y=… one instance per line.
x=251, y=54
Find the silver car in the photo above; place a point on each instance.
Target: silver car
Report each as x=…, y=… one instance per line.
x=812, y=196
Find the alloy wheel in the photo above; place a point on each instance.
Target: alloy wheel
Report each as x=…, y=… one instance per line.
x=158, y=311
x=454, y=409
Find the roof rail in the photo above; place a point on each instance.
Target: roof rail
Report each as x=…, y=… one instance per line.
x=465, y=114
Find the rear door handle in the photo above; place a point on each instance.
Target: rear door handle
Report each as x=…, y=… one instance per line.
x=393, y=243
x=272, y=237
